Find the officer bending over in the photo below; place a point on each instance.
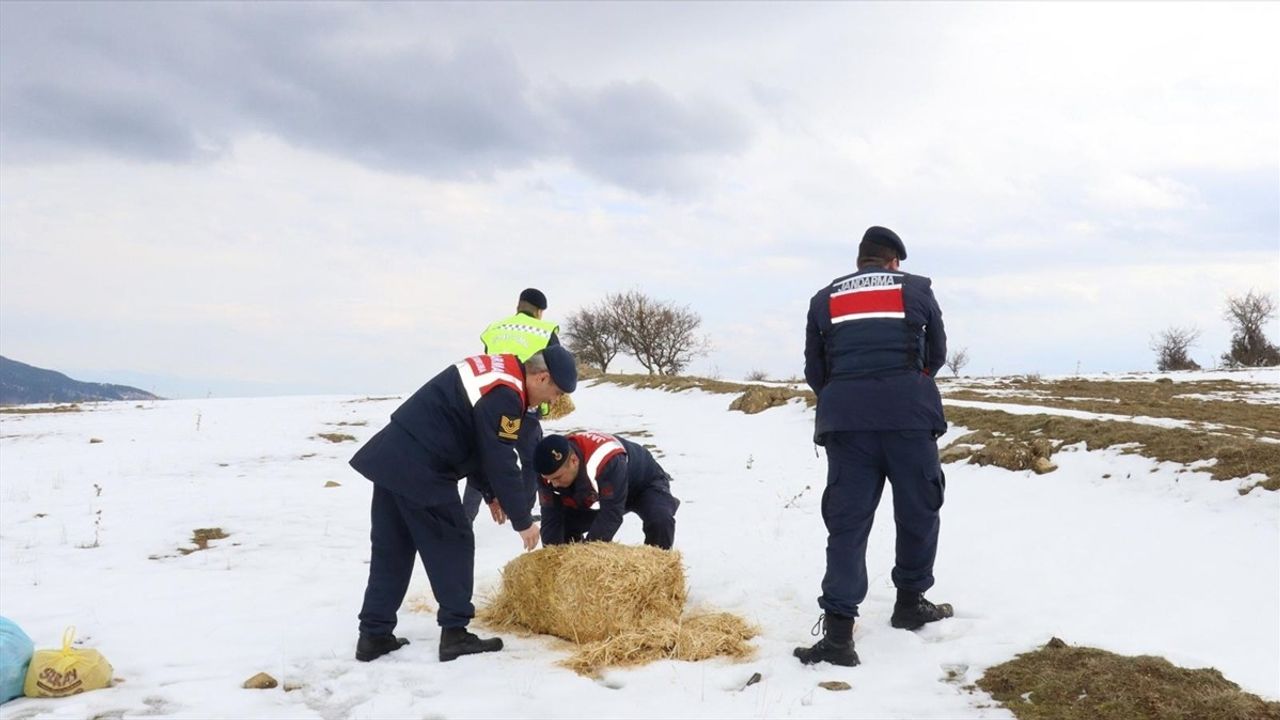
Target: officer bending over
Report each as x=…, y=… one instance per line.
x=464, y=421
x=588, y=469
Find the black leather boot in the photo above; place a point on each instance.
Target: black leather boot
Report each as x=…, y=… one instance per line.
x=912, y=611
x=836, y=645
x=371, y=647
x=455, y=642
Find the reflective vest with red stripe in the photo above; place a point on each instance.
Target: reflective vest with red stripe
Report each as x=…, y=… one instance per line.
x=482, y=373
x=596, y=448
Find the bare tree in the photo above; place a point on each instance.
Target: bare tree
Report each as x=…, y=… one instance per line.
x=957, y=360
x=1171, y=346
x=660, y=335
x=1249, y=345
x=592, y=335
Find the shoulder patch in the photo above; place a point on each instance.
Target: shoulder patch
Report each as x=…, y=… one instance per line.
x=508, y=427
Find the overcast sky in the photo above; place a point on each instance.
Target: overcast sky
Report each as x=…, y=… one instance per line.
x=264, y=198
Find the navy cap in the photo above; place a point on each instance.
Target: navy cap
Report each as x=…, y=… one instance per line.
x=551, y=453
x=564, y=369
x=534, y=297
x=885, y=237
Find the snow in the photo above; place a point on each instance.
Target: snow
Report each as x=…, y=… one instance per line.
x=1156, y=558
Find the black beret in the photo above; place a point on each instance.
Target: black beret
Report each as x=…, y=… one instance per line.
x=534, y=297
x=564, y=369
x=885, y=237
x=550, y=454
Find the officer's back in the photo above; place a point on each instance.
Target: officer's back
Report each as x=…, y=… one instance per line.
x=875, y=339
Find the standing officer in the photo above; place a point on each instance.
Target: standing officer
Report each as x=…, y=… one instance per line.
x=873, y=345
x=463, y=422
x=586, y=468
x=522, y=335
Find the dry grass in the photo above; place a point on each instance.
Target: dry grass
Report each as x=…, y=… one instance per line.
x=620, y=604
x=1060, y=682
x=23, y=410
x=1152, y=399
x=201, y=538
x=336, y=437
x=1236, y=456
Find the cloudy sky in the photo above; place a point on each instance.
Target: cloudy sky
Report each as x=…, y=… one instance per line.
x=266, y=198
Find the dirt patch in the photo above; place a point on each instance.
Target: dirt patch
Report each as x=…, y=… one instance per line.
x=19, y=410
x=1236, y=456
x=336, y=437
x=344, y=423
x=1061, y=682
x=373, y=399
x=201, y=538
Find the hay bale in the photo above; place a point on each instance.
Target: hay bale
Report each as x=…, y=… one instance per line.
x=561, y=407
x=954, y=453
x=621, y=604
x=586, y=592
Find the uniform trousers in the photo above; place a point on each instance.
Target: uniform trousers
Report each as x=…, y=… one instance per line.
x=858, y=463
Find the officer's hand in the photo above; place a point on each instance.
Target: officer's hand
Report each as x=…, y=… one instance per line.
x=495, y=509
x=530, y=536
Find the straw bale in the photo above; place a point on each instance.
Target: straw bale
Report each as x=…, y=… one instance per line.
x=621, y=605
x=561, y=407
x=587, y=592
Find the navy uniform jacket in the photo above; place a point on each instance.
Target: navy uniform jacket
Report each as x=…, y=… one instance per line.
x=437, y=437
x=625, y=474
x=873, y=345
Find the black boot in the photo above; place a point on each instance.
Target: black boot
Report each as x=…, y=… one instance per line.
x=455, y=642
x=836, y=645
x=912, y=611
x=371, y=647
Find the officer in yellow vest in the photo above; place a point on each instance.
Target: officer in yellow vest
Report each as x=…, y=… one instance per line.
x=522, y=335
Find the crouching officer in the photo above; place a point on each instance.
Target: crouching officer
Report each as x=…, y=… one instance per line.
x=873, y=345
x=464, y=421
x=522, y=335
x=586, y=469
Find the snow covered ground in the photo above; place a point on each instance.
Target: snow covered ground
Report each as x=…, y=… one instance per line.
x=1143, y=561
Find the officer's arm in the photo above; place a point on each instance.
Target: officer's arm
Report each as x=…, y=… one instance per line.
x=555, y=339
x=552, y=515
x=498, y=417
x=815, y=353
x=935, y=336
x=611, y=485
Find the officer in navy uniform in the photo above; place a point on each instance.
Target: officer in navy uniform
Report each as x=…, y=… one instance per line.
x=463, y=422
x=587, y=468
x=873, y=345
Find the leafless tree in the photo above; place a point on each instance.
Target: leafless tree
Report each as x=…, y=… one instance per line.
x=660, y=335
x=1171, y=346
x=1249, y=345
x=957, y=360
x=592, y=334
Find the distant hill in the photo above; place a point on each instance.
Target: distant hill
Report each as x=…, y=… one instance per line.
x=21, y=383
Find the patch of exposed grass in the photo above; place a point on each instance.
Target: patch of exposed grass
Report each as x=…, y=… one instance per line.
x=1236, y=456
x=201, y=538
x=344, y=423
x=336, y=437
x=1060, y=682
x=1152, y=399
x=23, y=410
x=373, y=399
x=753, y=398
